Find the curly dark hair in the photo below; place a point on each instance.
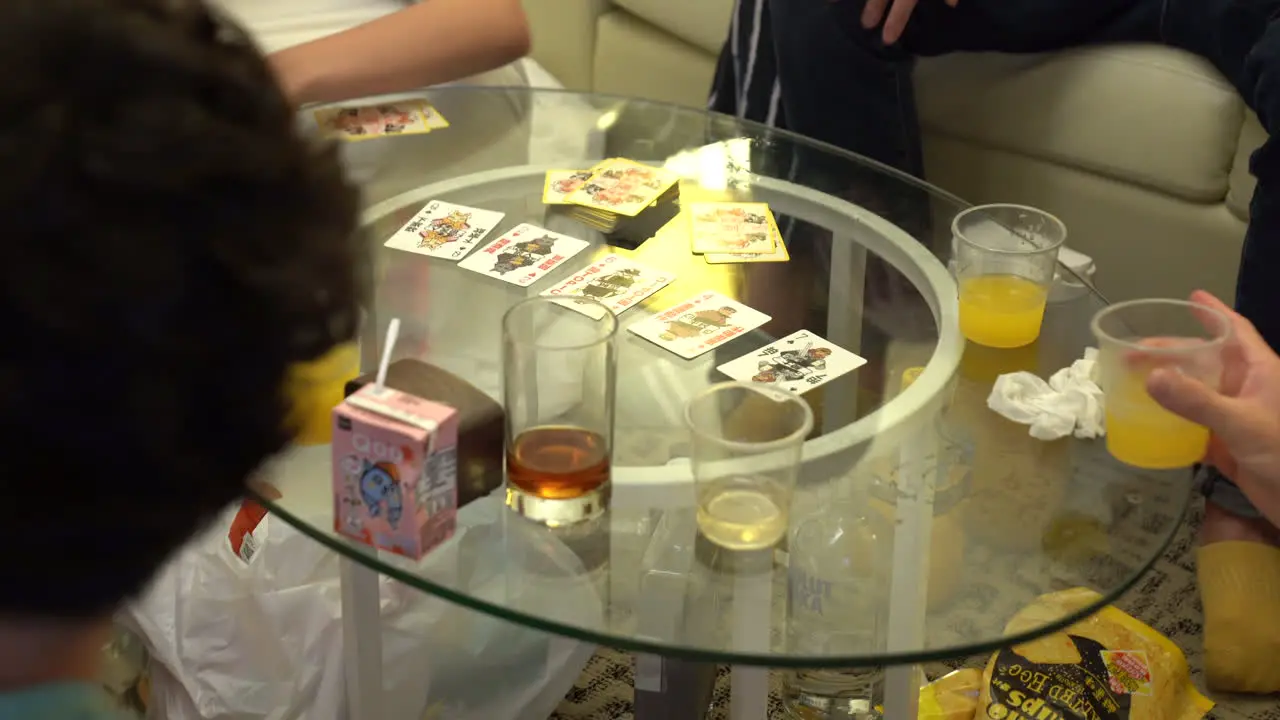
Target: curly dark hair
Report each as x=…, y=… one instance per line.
x=171, y=246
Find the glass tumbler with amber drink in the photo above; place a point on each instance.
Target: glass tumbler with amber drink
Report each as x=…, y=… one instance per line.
x=559, y=366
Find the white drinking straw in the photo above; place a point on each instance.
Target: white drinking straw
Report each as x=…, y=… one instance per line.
x=393, y=331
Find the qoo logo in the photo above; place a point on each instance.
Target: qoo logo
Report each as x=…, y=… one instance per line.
x=377, y=450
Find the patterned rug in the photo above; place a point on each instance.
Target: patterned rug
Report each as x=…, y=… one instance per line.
x=1166, y=599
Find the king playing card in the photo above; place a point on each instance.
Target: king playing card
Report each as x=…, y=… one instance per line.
x=614, y=281
x=699, y=324
x=445, y=230
x=524, y=254
x=798, y=362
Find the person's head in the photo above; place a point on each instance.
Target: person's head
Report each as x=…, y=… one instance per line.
x=170, y=247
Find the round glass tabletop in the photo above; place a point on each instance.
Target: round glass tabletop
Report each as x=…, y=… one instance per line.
x=922, y=520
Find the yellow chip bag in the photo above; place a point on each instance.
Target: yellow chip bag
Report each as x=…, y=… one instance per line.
x=1108, y=666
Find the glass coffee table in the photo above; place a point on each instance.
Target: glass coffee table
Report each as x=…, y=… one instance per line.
x=958, y=518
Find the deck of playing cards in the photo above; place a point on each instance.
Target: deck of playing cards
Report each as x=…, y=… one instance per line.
x=625, y=200
x=409, y=117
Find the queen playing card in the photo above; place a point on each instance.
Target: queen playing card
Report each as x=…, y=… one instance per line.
x=524, y=254
x=445, y=230
x=614, y=281
x=699, y=324
x=798, y=362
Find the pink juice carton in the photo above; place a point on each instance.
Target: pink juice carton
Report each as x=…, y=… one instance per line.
x=395, y=468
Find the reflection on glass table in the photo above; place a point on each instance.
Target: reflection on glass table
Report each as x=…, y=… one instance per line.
x=957, y=517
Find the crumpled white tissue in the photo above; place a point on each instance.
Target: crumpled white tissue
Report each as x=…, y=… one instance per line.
x=1070, y=403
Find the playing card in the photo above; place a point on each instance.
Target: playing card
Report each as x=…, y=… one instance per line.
x=435, y=120
x=524, y=254
x=412, y=117
x=560, y=184
x=623, y=187
x=445, y=230
x=798, y=362
x=779, y=253
x=700, y=323
x=736, y=228
x=615, y=281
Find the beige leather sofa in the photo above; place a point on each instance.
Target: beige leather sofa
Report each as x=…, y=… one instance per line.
x=1141, y=150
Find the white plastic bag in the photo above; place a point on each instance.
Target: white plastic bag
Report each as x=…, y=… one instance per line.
x=262, y=638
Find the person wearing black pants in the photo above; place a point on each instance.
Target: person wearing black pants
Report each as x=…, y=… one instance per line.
x=839, y=71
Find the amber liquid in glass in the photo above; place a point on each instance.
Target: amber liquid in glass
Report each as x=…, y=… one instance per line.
x=558, y=462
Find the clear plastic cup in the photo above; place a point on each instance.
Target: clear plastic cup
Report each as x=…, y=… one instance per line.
x=1005, y=261
x=746, y=442
x=1137, y=337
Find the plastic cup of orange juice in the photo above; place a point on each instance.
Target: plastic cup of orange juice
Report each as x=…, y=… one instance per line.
x=1137, y=337
x=315, y=388
x=1005, y=261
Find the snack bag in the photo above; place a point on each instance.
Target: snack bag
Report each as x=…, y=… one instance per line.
x=953, y=696
x=1106, y=667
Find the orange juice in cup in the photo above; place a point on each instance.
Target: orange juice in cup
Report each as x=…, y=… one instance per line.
x=1005, y=261
x=1137, y=337
x=315, y=388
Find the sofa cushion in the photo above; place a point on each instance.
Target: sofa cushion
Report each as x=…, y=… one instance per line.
x=1242, y=183
x=1146, y=114
x=703, y=23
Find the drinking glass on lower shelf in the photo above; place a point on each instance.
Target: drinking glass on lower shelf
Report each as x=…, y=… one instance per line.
x=746, y=443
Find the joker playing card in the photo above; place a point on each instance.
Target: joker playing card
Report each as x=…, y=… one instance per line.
x=412, y=117
x=524, y=255
x=699, y=324
x=445, y=230
x=614, y=281
x=798, y=362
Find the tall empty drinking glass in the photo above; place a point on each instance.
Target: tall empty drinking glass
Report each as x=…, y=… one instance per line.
x=1137, y=337
x=1006, y=256
x=558, y=372
x=746, y=457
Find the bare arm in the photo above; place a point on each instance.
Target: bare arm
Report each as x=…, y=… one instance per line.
x=431, y=42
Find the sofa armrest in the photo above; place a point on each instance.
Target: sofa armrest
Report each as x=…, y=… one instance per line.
x=564, y=37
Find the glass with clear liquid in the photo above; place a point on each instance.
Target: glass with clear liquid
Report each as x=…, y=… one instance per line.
x=746, y=442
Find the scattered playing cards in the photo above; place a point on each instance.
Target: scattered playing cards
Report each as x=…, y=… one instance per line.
x=411, y=117
x=445, y=230
x=623, y=187
x=699, y=324
x=798, y=362
x=560, y=184
x=524, y=254
x=614, y=281
x=732, y=228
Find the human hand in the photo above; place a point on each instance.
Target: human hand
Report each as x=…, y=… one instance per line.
x=894, y=13
x=1244, y=415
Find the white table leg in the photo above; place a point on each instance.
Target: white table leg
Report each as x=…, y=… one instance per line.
x=908, y=585
x=361, y=640
x=752, y=608
x=845, y=286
